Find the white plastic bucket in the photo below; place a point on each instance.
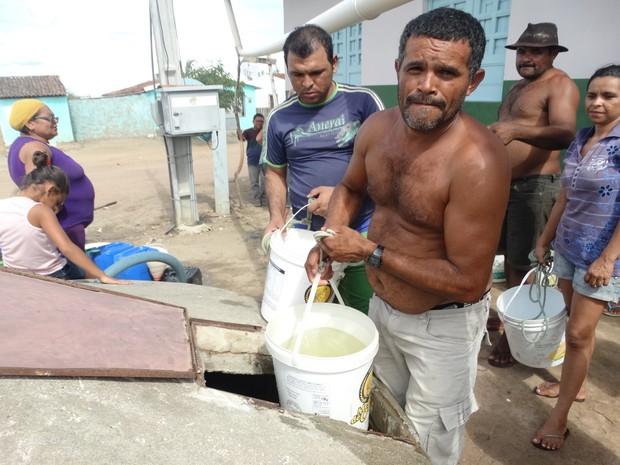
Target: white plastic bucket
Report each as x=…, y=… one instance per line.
x=534, y=341
x=338, y=387
x=286, y=283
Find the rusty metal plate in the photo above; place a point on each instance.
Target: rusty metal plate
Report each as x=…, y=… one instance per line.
x=55, y=328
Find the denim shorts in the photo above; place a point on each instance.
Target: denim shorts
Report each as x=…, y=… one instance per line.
x=69, y=271
x=564, y=269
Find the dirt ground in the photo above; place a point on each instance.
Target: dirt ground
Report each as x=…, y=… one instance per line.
x=132, y=176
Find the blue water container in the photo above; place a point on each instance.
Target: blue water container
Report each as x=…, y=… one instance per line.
x=103, y=256
x=109, y=254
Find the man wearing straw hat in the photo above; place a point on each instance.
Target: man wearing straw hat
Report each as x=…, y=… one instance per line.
x=536, y=120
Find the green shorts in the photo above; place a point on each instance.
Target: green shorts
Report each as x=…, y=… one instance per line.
x=355, y=289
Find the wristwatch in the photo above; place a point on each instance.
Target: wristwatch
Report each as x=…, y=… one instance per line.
x=374, y=259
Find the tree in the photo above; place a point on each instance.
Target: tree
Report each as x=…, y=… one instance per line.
x=231, y=97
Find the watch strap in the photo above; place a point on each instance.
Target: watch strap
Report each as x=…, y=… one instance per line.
x=375, y=259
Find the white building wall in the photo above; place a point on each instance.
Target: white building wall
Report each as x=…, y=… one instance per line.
x=298, y=12
x=380, y=38
x=588, y=28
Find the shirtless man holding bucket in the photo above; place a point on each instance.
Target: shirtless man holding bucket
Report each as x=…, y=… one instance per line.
x=439, y=180
x=537, y=119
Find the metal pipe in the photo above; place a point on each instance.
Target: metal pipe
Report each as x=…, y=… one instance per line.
x=233, y=25
x=345, y=13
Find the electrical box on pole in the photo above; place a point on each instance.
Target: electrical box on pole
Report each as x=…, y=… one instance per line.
x=181, y=112
x=190, y=110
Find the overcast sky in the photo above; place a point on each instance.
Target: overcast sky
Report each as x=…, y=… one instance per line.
x=101, y=46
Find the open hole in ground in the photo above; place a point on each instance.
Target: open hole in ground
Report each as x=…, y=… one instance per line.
x=261, y=386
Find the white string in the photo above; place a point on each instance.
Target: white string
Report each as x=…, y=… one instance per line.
x=318, y=236
x=296, y=213
x=517, y=291
x=304, y=320
x=266, y=240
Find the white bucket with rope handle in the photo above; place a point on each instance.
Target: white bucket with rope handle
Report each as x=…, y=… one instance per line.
x=534, y=317
x=286, y=282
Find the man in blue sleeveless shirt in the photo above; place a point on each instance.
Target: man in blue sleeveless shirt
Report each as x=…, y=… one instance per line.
x=311, y=136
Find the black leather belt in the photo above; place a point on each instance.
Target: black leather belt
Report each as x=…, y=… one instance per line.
x=451, y=305
x=551, y=177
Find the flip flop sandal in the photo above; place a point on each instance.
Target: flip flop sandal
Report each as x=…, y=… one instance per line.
x=563, y=437
x=497, y=364
x=613, y=310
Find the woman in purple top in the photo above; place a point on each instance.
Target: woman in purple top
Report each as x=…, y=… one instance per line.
x=583, y=226
x=37, y=126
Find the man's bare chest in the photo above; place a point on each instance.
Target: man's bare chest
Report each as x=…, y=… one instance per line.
x=413, y=186
x=524, y=101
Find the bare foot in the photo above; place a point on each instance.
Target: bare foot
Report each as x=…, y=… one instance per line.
x=500, y=356
x=552, y=390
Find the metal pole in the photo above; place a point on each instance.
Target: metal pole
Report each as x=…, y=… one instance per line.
x=220, y=170
x=178, y=148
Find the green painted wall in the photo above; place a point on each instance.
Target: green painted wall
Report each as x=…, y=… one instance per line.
x=485, y=112
x=388, y=94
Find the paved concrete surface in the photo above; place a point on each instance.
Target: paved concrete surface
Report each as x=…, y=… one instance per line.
x=135, y=421
x=203, y=302
x=73, y=421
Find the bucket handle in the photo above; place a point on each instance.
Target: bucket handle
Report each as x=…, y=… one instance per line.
x=534, y=341
x=318, y=237
x=305, y=221
x=541, y=282
x=265, y=242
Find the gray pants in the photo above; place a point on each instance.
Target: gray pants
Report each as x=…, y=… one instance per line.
x=428, y=361
x=257, y=181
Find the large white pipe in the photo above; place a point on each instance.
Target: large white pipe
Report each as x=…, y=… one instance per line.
x=233, y=25
x=346, y=13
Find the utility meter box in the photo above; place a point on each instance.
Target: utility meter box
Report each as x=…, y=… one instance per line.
x=190, y=109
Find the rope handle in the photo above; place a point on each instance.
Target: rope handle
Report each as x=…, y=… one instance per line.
x=266, y=240
x=537, y=293
x=312, y=199
x=318, y=237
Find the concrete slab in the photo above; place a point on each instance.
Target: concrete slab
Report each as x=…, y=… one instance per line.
x=206, y=304
x=73, y=421
x=203, y=302
x=131, y=421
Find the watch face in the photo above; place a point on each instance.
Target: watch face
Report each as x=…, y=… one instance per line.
x=374, y=259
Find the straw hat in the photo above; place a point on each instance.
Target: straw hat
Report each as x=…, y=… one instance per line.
x=539, y=35
x=22, y=111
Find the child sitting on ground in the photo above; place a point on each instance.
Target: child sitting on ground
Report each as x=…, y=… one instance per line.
x=31, y=237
